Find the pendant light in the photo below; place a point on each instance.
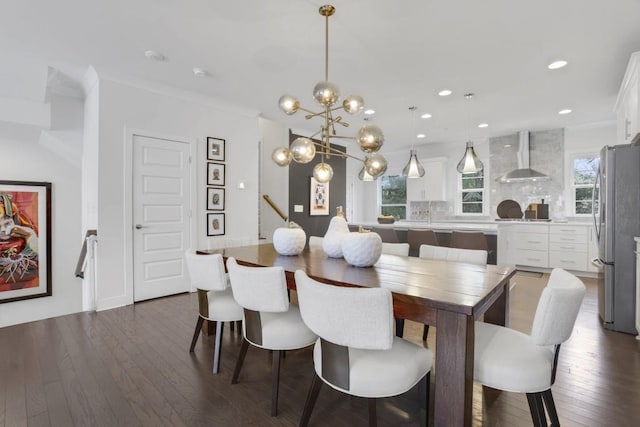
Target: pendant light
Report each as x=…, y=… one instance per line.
x=413, y=169
x=470, y=162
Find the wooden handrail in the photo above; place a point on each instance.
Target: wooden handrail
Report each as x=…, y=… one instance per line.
x=274, y=207
x=83, y=254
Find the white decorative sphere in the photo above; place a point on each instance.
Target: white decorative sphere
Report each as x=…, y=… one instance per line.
x=332, y=242
x=289, y=241
x=361, y=249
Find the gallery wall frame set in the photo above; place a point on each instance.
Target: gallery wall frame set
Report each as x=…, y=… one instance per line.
x=216, y=180
x=25, y=240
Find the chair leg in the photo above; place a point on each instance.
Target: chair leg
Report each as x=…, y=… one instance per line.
x=312, y=397
x=537, y=409
x=216, y=348
x=425, y=333
x=275, y=381
x=399, y=327
x=239, y=325
x=373, y=416
x=194, y=340
x=551, y=408
x=231, y=326
x=425, y=391
x=241, y=355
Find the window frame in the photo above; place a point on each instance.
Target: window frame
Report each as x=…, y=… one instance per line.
x=572, y=184
x=460, y=196
x=405, y=205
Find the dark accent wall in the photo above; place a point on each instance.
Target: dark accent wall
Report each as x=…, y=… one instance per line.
x=299, y=189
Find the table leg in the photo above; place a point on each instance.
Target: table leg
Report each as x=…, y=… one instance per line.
x=498, y=313
x=454, y=369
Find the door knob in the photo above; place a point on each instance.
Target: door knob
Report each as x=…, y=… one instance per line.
x=139, y=226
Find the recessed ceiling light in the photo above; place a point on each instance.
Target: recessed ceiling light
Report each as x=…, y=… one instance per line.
x=426, y=116
x=369, y=112
x=155, y=55
x=557, y=64
x=565, y=111
x=483, y=125
x=199, y=72
x=445, y=92
x=507, y=145
x=421, y=135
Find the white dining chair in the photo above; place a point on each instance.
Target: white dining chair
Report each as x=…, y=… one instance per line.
x=401, y=249
x=509, y=360
x=472, y=256
x=315, y=242
x=215, y=298
x=270, y=321
x=356, y=352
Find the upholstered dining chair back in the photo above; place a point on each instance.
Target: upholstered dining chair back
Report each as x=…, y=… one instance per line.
x=271, y=294
x=350, y=317
x=315, y=242
x=206, y=271
x=453, y=254
x=557, y=309
x=401, y=249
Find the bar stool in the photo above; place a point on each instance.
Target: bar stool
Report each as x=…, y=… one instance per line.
x=469, y=240
x=420, y=237
x=388, y=235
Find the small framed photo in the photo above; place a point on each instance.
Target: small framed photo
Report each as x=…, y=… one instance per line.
x=215, y=224
x=215, y=199
x=215, y=174
x=318, y=198
x=215, y=149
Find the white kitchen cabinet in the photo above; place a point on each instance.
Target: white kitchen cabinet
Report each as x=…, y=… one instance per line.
x=524, y=245
x=432, y=186
x=568, y=246
x=627, y=111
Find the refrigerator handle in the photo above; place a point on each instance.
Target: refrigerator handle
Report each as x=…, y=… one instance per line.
x=593, y=201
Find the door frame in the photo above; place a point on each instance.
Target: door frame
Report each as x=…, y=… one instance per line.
x=130, y=133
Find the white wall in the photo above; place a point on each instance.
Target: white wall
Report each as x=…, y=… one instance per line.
x=123, y=108
x=26, y=159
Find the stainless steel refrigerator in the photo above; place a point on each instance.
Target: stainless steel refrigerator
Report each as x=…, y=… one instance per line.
x=617, y=222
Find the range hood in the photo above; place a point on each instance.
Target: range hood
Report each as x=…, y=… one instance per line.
x=524, y=172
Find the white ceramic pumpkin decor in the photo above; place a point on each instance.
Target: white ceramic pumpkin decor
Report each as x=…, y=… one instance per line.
x=362, y=249
x=338, y=228
x=289, y=240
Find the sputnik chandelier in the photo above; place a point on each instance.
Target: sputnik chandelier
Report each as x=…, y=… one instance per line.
x=327, y=94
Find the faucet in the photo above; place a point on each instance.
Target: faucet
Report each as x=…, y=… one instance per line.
x=429, y=213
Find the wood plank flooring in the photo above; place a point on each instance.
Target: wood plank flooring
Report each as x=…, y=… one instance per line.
x=131, y=367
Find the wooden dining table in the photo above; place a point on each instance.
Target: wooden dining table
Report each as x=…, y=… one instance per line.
x=448, y=295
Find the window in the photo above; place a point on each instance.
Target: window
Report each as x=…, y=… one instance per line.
x=585, y=169
x=472, y=193
x=393, y=196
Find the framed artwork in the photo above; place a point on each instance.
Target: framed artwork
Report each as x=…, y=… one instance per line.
x=215, y=199
x=215, y=224
x=25, y=240
x=215, y=149
x=318, y=198
x=215, y=174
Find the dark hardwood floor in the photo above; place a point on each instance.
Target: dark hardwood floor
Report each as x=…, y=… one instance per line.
x=131, y=366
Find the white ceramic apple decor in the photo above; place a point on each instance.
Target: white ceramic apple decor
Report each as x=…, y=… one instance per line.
x=338, y=228
x=362, y=249
x=289, y=240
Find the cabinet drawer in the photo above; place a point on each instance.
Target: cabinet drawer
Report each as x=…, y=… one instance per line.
x=571, y=247
x=530, y=228
x=531, y=258
x=531, y=241
x=569, y=260
x=568, y=238
x=576, y=230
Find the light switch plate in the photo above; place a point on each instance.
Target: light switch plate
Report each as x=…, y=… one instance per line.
x=298, y=208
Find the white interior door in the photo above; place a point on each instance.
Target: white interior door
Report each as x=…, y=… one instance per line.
x=161, y=216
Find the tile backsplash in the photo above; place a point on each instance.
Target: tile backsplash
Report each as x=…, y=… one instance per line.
x=546, y=151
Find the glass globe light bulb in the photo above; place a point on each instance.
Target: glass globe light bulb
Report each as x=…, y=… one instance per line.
x=281, y=156
x=353, y=104
x=375, y=165
x=364, y=176
x=370, y=138
x=288, y=104
x=326, y=93
x=470, y=163
x=303, y=150
x=323, y=172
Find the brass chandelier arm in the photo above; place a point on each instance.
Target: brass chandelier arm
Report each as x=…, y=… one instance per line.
x=319, y=113
x=336, y=152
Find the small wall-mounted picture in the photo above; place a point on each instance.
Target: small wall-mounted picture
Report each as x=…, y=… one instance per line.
x=318, y=198
x=215, y=149
x=215, y=174
x=215, y=224
x=215, y=199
